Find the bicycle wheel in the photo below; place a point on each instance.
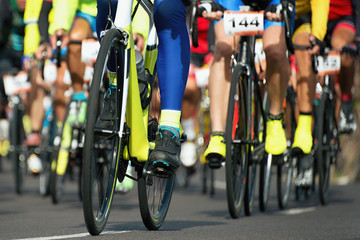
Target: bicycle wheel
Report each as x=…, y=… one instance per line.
x=325, y=128
x=154, y=199
x=285, y=168
x=102, y=150
x=256, y=134
x=48, y=134
x=17, y=137
x=60, y=162
x=236, y=152
x=265, y=169
x=265, y=180
x=154, y=192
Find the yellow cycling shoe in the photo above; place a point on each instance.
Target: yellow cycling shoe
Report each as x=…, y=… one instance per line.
x=275, y=142
x=303, y=140
x=303, y=137
x=215, y=152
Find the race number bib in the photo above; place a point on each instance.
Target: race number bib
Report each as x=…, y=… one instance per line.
x=16, y=84
x=243, y=23
x=89, y=50
x=50, y=72
x=329, y=64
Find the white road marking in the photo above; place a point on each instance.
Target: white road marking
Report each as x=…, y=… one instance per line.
x=78, y=235
x=296, y=211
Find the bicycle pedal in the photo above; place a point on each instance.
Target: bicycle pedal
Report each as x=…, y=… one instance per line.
x=162, y=172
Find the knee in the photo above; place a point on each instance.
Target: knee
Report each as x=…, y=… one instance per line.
x=223, y=50
x=275, y=54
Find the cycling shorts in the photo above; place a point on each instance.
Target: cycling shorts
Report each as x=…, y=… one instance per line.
x=233, y=5
x=344, y=22
x=89, y=18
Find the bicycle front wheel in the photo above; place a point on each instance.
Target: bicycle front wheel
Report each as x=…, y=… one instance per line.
x=236, y=151
x=154, y=199
x=325, y=128
x=154, y=192
x=102, y=148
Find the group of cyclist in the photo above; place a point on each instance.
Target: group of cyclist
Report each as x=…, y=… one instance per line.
x=314, y=23
x=48, y=23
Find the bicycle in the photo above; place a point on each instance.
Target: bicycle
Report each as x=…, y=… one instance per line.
x=245, y=124
x=284, y=163
x=69, y=139
x=326, y=141
x=207, y=173
x=16, y=87
x=325, y=132
x=107, y=151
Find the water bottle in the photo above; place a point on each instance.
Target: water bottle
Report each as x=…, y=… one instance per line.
x=143, y=84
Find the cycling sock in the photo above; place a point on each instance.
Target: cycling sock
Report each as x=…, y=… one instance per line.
x=346, y=97
x=79, y=96
x=170, y=118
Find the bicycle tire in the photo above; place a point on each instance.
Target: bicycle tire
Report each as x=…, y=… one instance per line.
x=154, y=199
x=264, y=182
x=285, y=169
x=101, y=151
x=48, y=136
x=265, y=170
x=17, y=157
x=154, y=192
x=256, y=134
x=57, y=181
x=236, y=153
x=325, y=126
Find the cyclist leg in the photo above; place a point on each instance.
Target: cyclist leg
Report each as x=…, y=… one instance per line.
x=219, y=87
x=343, y=34
x=191, y=100
x=173, y=67
x=61, y=85
x=277, y=76
x=80, y=30
x=306, y=81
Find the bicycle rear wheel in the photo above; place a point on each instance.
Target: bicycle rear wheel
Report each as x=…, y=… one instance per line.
x=236, y=151
x=325, y=128
x=102, y=150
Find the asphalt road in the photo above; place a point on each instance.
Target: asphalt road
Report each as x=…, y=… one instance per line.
x=192, y=215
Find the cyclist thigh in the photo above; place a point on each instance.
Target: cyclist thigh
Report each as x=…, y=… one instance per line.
x=224, y=44
x=80, y=29
x=342, y=34
x=274, y=43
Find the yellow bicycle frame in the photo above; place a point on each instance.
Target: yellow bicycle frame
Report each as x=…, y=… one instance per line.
x=136, y=117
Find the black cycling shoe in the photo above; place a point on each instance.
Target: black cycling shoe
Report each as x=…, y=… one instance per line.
x=165, y=158
x=215, y=160
x=347, y=122
x=107, y=115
